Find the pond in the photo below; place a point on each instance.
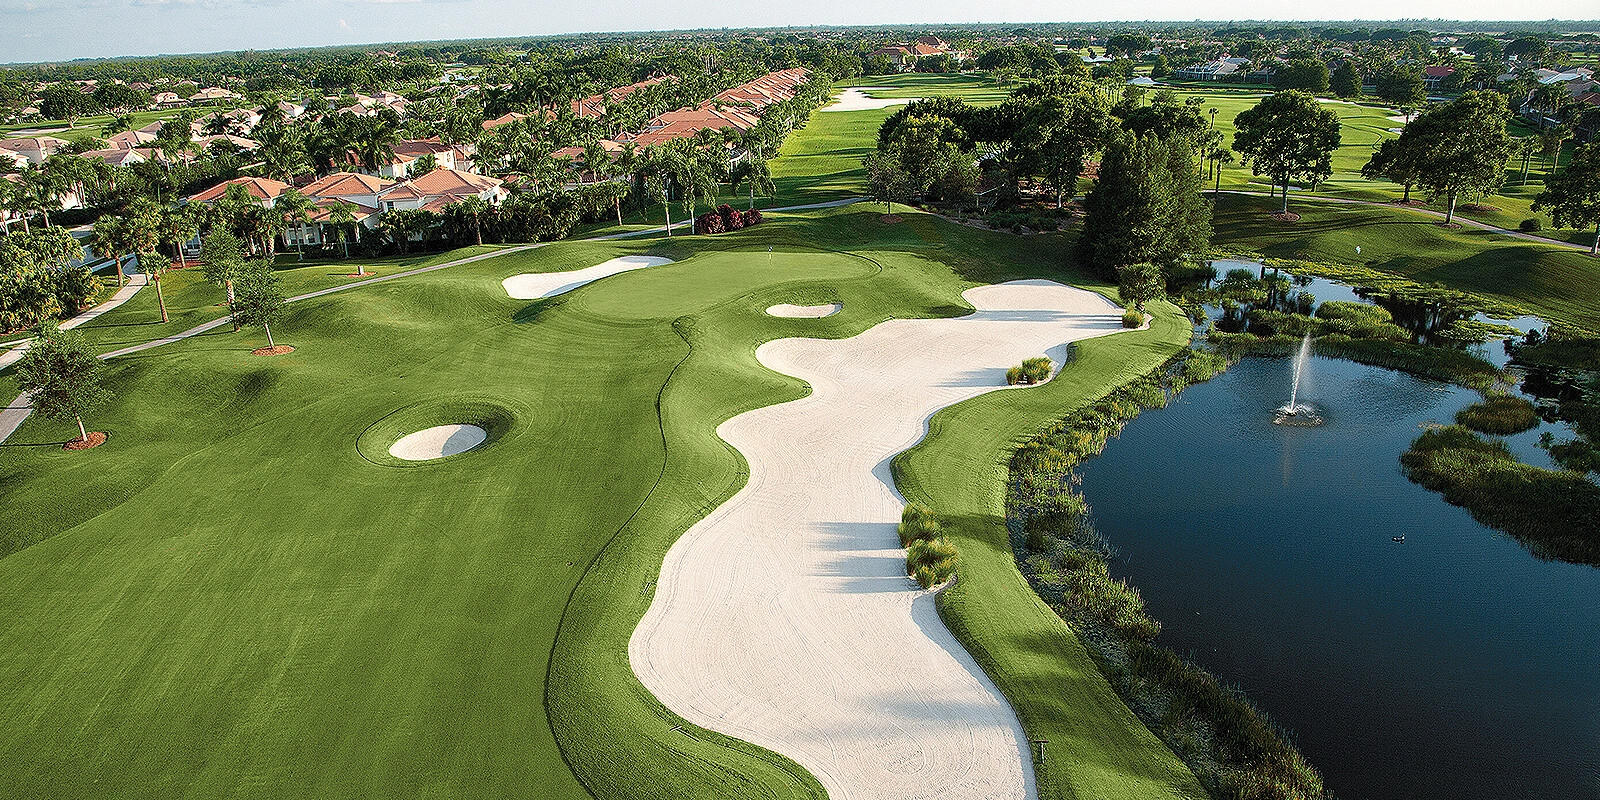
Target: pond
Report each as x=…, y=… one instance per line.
x=1453, y=664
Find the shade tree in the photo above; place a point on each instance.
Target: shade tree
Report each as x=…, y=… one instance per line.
x=62, y=376
x=1287, y=136
x=1573, y=197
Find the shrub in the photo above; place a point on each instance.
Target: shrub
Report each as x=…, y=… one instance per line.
x=917, y=523
x=752, y=217
x=1033, y=370
x=75, y=287
x=731, y=218
x=1501, y=415
x=710, y=222
x=1132, y=318
x=931, y=561
x=1530, y=225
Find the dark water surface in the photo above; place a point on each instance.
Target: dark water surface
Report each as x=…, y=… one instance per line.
x=1452, y=665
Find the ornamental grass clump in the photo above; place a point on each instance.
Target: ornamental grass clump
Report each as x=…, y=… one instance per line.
x=931, y=561
x=1131, y=318
x=917, y=523
x=1500, y=415
x=1033, y=370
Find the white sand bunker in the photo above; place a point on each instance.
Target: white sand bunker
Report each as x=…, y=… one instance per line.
x=785, y=617
x=438, y=442
x=856, y=98
x=537, y=285
x=790, y=310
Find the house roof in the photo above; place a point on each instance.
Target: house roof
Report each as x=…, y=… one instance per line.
x=595, y=105
x=130, y=139
x=498, y=121
x=40, y=143
x=116, y=156
x=259, y=188
x=452, y=181
x=323, y=209
x=1439, y=72
x=346, y=183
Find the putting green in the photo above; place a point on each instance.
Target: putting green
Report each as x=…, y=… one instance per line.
x=240, y=597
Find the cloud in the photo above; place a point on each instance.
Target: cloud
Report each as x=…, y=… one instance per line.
x=344, y=25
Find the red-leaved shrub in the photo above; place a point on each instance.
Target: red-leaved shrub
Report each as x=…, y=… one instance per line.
x=711, y=222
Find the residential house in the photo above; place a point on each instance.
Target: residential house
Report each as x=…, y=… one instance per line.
x=491, y=124
x=265, y=191
x=35, y=149
x=594, y=106
x=1221, y=69
x=119, y=156
x=127, y=140
x=167, y=100
x=1433, y=78
x=213, y=94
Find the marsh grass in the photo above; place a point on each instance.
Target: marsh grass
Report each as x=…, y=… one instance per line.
x=1500, y=415
x=1554, y=514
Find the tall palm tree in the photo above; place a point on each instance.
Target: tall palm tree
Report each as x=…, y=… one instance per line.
x=42, y=189
x=340, y=216
x=756, y=174
x=142, y=226
x=296, y=208
x=110, y=239
x=179, y=225
x=474, y=206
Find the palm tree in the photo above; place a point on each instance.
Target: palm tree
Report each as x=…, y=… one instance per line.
x=341, y=215
x=1220, y=157
x=656, y=186
x=296, y=208
x=755, y=173
x=474, y=206
x=178, y=226
x=142, y=225
x=42, y=190
x=109, y=239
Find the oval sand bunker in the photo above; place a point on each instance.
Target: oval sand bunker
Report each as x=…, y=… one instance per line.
x=789, y=310
x=438, y=442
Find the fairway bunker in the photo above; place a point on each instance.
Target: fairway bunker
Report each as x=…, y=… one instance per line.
x=856, y=98
x=434, y=429
x=539, y=285
x=439, y=441
x=804, y=312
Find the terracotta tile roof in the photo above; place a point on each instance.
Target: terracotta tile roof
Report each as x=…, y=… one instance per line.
x=324, y=209
x=116, y=156
x=452, y=181
x=346, y=183
x=259, y=188
x=41, y=143
x=498, y=121
x=595, y=105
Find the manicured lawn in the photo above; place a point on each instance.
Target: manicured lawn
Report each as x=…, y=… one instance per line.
x=1557, y=283
x=230, y=596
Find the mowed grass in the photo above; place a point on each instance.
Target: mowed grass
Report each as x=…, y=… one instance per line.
x=228, y=598
x=1558, y=283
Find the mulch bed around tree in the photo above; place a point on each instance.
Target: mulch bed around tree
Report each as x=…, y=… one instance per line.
x=1450, y=226
x=889, y=219
x=1478, y=208
x=1410, y=203
x=96, y=438
x=272, y=351
x=1286, y=216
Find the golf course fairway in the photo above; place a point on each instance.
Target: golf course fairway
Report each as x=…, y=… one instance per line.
x=242, y=594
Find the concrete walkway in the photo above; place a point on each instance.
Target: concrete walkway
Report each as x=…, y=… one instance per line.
x=12, y=416
x=18, y=410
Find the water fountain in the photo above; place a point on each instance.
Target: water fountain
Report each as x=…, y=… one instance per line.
x=1296, y=412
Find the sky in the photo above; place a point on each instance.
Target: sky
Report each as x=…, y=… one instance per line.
x=56, y=30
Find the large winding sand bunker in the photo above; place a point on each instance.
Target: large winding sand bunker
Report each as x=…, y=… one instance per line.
x=856, y=98
x=539, y=285
x=785, y=618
